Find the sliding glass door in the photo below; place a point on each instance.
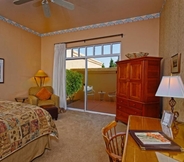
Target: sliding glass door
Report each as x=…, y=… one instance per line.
x=96, y=67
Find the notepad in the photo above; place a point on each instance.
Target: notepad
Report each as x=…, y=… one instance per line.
x=164, y=158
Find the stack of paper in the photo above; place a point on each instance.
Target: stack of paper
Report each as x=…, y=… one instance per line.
x=164, y=158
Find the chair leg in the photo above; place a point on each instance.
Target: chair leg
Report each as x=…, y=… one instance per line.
x=110, y=159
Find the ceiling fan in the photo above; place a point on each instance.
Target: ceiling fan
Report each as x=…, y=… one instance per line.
x=45, y=5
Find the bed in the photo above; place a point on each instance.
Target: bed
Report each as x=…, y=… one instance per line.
x=25, y=131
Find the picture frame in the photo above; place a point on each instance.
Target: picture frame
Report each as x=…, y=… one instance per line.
x=167, y=118
x=175, y=63
x=1, y=70
x=166, y=122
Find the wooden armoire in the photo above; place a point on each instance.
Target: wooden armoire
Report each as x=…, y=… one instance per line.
x=137, y=83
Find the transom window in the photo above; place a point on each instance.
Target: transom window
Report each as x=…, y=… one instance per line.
x=94, y=50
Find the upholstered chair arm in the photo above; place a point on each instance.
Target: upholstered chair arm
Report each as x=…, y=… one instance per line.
x=33, y=100
x=55, y=98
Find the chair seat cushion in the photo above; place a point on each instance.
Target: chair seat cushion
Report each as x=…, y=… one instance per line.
x=43, y=94
x=45, y=102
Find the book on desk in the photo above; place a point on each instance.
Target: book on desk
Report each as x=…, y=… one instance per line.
x=154, y=140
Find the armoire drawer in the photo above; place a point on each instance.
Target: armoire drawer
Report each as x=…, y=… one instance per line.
x=122, y=116
x=132, y=111
x=135, y=105
x=120, y=107
x=122, y=101
x=129, y=110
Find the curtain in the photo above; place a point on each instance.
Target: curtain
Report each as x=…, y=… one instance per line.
x=59, y=73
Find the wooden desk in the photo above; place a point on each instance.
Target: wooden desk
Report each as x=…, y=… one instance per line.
x=133, y=153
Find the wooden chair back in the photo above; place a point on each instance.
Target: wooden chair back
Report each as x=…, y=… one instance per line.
x=114, y=142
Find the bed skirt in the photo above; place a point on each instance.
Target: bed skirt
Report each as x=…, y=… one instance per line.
x=30, y=151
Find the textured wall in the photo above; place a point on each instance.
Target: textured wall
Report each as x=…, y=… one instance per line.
x=21, y=51
x=172, y=42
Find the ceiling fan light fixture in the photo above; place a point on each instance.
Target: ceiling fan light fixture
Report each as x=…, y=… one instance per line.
x=64, y=4
x=46, y=8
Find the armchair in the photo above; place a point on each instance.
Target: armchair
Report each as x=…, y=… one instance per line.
x=41, y=96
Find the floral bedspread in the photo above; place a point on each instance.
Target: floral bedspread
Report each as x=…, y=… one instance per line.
x=21, y=123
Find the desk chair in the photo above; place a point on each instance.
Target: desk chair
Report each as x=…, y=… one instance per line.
x=114, y=142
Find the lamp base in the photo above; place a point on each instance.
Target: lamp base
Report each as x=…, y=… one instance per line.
x=41, y=79
x=175, y=129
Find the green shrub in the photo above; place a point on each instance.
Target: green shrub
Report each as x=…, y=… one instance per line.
x=74, y=82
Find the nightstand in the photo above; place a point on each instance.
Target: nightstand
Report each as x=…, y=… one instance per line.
x=21, y=99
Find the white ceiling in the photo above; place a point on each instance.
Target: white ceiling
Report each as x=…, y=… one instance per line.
x=86, y=12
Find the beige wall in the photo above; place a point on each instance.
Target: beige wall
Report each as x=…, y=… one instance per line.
x=21, y=51
x=172, y=42
x=138, y=36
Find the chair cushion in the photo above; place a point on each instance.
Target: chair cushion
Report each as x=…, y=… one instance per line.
x=45, y=102
x=43, y=94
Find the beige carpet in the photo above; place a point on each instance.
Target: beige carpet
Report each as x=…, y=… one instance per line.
x=80, y=138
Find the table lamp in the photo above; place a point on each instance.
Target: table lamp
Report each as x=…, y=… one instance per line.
x=41, y=75
x=171, y=86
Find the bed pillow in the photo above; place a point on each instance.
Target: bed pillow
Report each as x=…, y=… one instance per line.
x=43, y=94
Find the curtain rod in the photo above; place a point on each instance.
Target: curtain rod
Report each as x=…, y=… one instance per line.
x=84, y=40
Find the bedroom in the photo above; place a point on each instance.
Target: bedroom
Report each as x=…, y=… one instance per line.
x=25, y=53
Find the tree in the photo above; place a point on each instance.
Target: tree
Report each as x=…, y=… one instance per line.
x=112, y=64
x=103, y=66
x=73, y=83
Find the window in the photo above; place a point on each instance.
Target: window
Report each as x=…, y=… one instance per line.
x=95, y=50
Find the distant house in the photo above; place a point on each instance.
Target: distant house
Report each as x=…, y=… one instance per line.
x=80, y=63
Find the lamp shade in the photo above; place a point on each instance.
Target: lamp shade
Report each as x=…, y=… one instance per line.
x=171, y=86
x=41, y=74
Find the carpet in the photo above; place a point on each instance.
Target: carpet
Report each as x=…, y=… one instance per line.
x=80, y=138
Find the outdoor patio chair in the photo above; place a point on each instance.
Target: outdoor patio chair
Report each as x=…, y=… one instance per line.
x=90, y=91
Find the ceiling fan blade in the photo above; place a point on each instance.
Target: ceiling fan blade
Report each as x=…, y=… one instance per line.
x=46, y=9
x=64, y=3
x=19, y=2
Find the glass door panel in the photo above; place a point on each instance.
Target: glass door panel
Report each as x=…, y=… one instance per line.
x=75, y=79
x=101, y=96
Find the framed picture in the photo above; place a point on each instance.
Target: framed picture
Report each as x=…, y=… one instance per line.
x=1, y=70
x=175, y=63
x=166, y=122
x=167, y=118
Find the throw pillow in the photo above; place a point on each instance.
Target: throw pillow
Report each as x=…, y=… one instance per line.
x=43, y=94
